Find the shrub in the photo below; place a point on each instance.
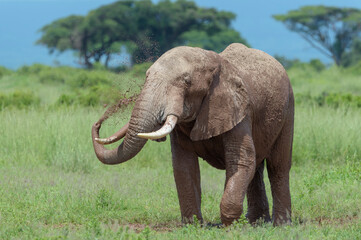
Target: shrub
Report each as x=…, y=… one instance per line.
x=93, y=96
x=18, y=99
x=317, y=65
x=287, y=63
x=338, y=99
x=65, y=99
x=33, y=69
x=354, y=69
x=51, y=76
x=4, y=71
x=86, y=79
x=89, y=99
x=330, y=99
x=139, y=70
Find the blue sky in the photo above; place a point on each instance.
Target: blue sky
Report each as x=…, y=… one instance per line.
x=20, y=21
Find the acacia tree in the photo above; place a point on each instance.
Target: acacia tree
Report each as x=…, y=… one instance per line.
x=99, y=33
x=330, y=30
x=145, y=29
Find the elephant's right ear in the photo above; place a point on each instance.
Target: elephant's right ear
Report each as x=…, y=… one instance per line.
x=225, y=105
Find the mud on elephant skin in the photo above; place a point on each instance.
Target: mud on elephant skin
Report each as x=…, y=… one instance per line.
x=234, y=109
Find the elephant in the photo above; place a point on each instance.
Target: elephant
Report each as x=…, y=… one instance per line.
x=235, y=110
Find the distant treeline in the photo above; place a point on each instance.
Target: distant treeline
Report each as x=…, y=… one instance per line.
x=81, y=87
x=143, y=29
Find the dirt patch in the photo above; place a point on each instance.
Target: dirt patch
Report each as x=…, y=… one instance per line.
x=161, y=227
x=336, y=221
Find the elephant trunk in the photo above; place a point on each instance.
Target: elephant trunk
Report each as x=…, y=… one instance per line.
x=141, y=121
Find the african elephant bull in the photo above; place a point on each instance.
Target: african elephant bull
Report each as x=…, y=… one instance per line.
x=234, y=109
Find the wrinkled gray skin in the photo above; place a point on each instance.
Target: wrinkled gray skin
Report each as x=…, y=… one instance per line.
x=235, y=110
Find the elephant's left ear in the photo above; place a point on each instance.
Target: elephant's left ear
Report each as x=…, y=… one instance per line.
x=225, y=105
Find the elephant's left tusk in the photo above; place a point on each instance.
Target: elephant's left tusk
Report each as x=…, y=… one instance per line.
x=168, y=126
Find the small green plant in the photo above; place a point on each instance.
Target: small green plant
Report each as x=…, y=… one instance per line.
x=146, y=233
x=240, y=223
x=104, y=199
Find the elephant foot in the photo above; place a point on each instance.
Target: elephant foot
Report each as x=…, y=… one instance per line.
x=214, y=225
x=228, y=219
x=282, y=219
x=258, y=217
x=192, y=220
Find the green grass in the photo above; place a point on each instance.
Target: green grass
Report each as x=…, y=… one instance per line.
x=52, y=185
x=306, y=80
x=50, y=83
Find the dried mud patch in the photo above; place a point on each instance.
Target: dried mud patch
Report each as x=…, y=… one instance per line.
x=342, y=221
x=160, y=227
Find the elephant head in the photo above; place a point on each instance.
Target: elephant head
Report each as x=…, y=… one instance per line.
x=185, y=85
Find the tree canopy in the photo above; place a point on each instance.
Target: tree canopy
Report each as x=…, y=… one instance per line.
x=331, y=30
x=144, y=29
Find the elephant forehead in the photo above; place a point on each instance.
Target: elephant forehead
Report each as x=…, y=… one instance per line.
x=169, y=68
x=181, y=59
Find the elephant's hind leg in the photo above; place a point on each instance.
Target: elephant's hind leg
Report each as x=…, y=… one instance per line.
x=257, y=201
x=187, y=179
x=278, y=167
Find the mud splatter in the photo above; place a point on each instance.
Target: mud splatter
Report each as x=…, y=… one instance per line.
x=148, y=52
x=122, y=104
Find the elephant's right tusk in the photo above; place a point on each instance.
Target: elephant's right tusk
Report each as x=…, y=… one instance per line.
x=115, y=137
x=168, y=126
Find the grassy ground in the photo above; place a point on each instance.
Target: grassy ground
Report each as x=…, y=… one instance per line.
x=53, y=187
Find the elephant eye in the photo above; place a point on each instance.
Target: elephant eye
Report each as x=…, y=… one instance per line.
x=160, y=117
x=187, y=79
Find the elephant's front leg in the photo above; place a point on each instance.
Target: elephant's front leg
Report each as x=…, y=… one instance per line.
x=187, y=179
x=240, y=168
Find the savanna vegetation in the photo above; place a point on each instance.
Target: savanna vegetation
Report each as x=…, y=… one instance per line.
x=52, y=186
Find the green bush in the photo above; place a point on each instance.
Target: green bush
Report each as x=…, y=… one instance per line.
x=18, y=99
x=86, y=79
x=330, y=99
x=65, y=99
x=4, y=71
x=89, y=99
x=33, y=69
x=96, y=95
x=317, y=65
x=51, y=76
x=287, y=63
x=354, y=69
x=139, y=70
x=346, y=99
